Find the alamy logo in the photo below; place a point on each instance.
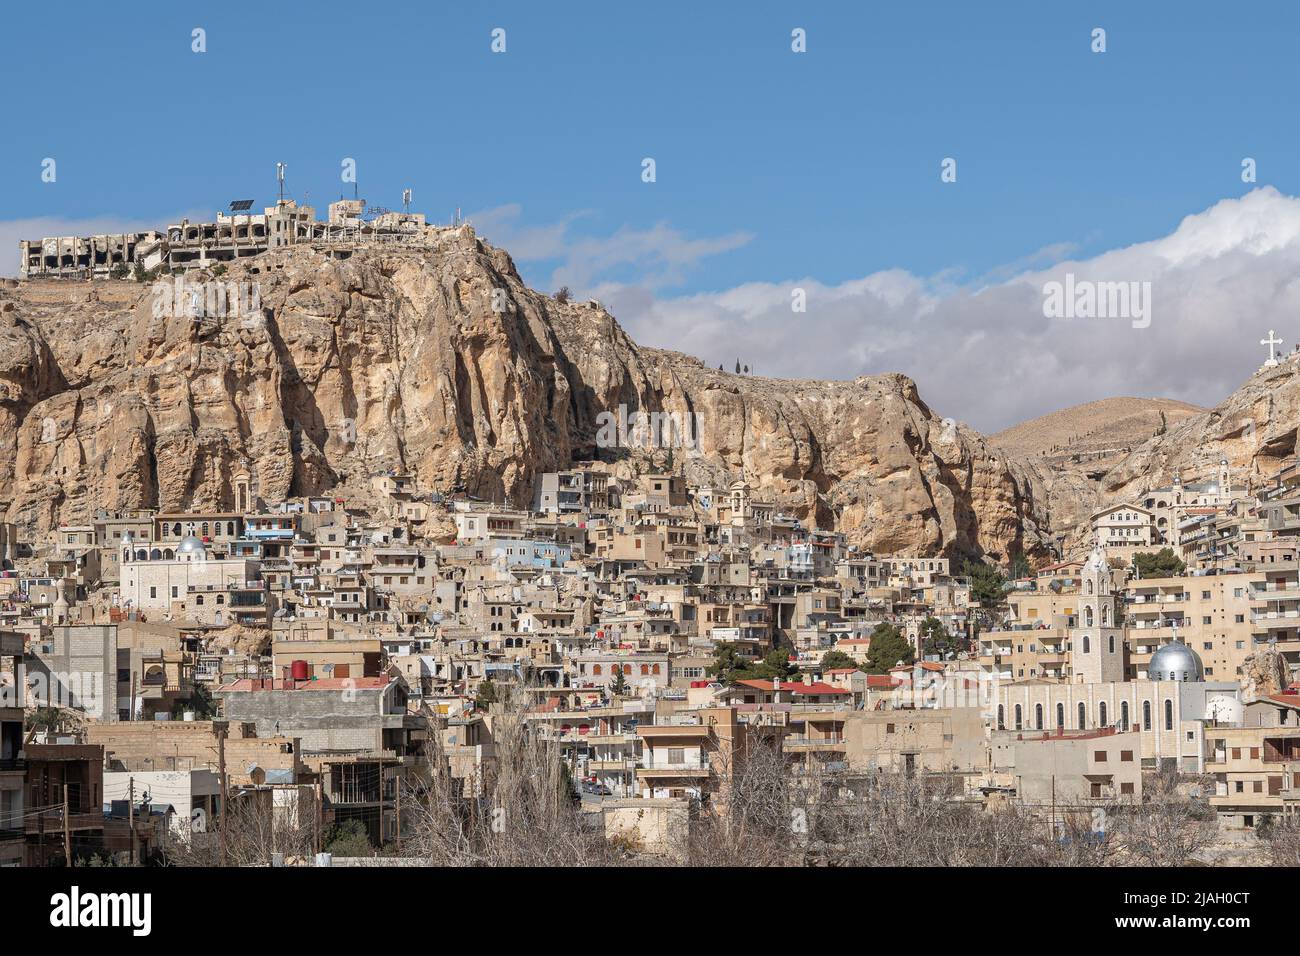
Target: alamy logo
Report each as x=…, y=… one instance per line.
x=648, y=430
x=75, y=909
x=1085, y=299
x=207, y=300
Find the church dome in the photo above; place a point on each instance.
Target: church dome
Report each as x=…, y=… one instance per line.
x=1175, y=661
x=191, y=545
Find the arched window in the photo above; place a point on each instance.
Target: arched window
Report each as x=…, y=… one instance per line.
x=1146, y=715
x=1083, y=715
x=1112, y=643
x=627, y=668
x=205, y=529
x=654, y=669
x=1169, y=714
x=1019, y=722
x=595, y=668
x=1038, y=716
x=1101, y=714
x=1087, y=643
x=1060, y=716
x=1123, y=716
x=230, y=528
x=1105, y=617
x=1089, y=587
x=1087, y=616
x=645, y=669
x=1002, y=714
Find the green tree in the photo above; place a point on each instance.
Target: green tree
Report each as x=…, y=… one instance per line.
x=1019, y=567
x=987, y=585
x=349, y=839
x=888, y=649
x=834, y=660
x=619, y=684
x=729, y=666
x=776, y=664
x=487, y=695
x=1163, y=564
x=938, y=640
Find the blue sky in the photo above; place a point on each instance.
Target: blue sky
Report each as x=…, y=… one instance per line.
x=771, y=166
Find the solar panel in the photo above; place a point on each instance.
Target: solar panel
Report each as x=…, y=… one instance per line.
x=239, y=205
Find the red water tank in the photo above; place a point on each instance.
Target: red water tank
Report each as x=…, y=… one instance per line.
x=298, y=670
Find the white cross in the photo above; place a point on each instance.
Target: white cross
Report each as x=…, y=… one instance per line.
x=1270, y=342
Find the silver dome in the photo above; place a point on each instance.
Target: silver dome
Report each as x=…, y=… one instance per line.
x=1175, y=661
x=190, y=544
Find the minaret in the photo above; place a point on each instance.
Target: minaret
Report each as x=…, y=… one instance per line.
x=1225, y=480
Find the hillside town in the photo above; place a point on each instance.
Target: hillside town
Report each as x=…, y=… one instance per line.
x=169, y=680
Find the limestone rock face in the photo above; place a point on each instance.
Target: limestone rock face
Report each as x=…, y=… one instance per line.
x=1266, y=674
x=1254, y=429
x=444, y=364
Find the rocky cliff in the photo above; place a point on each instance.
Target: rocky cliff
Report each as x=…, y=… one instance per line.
x=443, y=363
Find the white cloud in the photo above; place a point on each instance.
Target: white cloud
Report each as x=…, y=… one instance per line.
x=660, y=256
x=984, y=352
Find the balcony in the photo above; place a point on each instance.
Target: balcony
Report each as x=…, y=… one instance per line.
x=673, y=770
x=834, y=743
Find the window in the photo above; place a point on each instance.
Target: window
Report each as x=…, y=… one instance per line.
x=1060, y=716
x=1123, y=715
x=1038, y=716
x=1146, y=715
x=1002, y=713
x=676, y=755
x=1101, y=714
x=1169, y=714
x=1083, y=716
x=1018, y=721
x=1099, y=756
x=1126, y=756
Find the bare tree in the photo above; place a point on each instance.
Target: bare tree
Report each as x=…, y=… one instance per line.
x=519, y=809
x=257, y=829
x=1169, y=826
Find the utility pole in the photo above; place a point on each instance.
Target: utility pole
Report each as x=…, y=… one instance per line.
x=398, y=784
x=130, y=814
x=221, y=771
x=67, y=830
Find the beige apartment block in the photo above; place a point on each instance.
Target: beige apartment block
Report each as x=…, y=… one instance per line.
x=938, y=740
x=1213, y=614
x=1067, y=769
x=1256, y=773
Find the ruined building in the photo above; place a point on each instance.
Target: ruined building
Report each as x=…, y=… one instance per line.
x=235, y=235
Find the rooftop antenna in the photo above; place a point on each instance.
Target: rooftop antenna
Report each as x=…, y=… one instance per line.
x=279, y=175
x=406, y=200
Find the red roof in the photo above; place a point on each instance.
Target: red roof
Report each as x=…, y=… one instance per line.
x=813, y=689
